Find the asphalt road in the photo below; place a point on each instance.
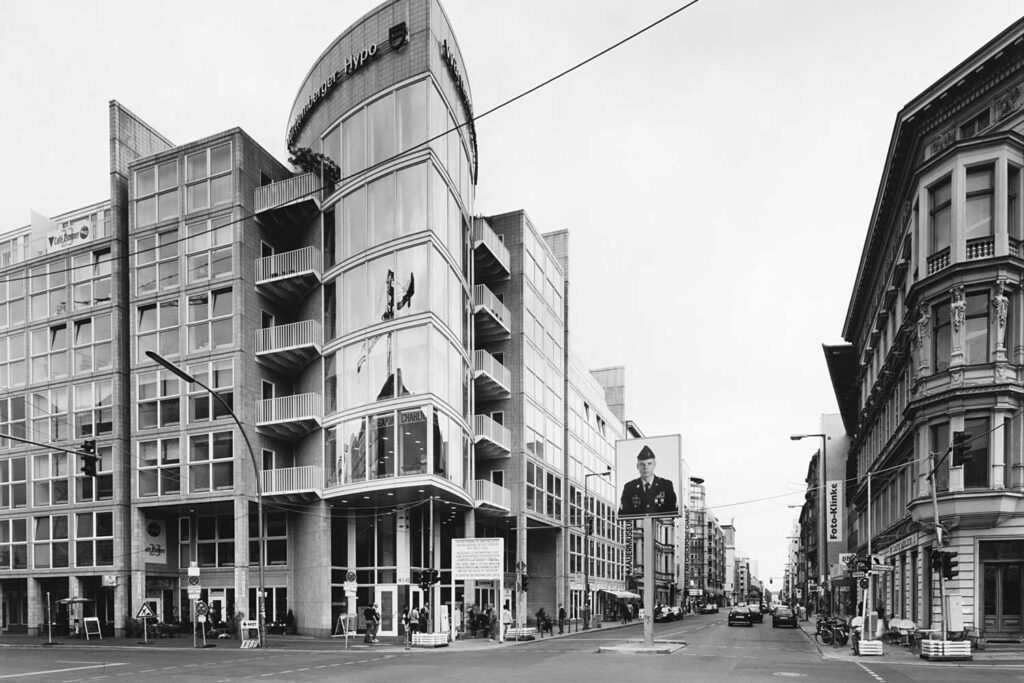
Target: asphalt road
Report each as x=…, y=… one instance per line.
x=712, y=652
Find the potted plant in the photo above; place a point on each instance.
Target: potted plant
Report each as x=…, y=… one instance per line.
x=289, y=624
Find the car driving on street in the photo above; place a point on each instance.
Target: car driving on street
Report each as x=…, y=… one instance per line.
x=783, y=616
x=739, y=615
x=710, y=608
x=755, y=614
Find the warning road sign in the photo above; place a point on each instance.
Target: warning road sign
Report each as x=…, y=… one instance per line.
x=145, y=612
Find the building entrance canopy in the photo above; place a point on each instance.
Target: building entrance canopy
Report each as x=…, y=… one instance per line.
x=625, y=595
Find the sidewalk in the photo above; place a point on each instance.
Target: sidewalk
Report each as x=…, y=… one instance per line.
x=994, y=653
x=274, y=642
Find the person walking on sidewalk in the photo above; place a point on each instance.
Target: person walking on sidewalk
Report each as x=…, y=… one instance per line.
x=561, y=618
x=372, y=617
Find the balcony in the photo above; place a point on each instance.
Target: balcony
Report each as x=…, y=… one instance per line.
x=938, y=261
x=490, y=255
x=290, y=347
x=293, y=484
x=289, y=203
x=492, y=379
x=491, y=439
x=490, y=496
x=289, y=276
x=493, y=320
x=289, y=417
x=981, y=247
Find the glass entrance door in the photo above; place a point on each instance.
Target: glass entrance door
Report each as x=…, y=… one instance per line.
x=386, y=599
x=1002, y=601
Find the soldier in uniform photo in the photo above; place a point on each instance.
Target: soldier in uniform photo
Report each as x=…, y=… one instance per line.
x=648, y=494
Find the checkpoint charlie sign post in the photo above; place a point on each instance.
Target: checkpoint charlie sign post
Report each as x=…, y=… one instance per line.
x=656, y=493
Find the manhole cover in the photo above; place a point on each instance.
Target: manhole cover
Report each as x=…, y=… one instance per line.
x=788, y=674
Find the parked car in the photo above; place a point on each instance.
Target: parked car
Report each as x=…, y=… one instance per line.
x=710, y=608
x=755, y=614
x=667, y=613
x=783, y=616
x=740, y=615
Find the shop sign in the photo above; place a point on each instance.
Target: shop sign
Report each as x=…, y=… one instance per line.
x=905, y=543
x=71, y=235
x=834, y=518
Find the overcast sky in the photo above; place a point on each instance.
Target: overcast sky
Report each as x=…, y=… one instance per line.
x=716, y=174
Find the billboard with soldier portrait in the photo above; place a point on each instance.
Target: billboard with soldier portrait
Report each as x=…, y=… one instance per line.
x=648, y=473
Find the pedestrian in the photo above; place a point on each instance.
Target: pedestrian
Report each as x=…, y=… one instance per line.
x=424, y=619
x=561, y=618
x=414, y=620
x=471, y=624
x=372, y=617
x=542, y=618
x=407, y=624
x=493, y=625
x=880, y=626
x=506, y=620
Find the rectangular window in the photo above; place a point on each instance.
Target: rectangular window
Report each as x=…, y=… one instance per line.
x=159, y=467
x=209, y=249
x=92, y=344
x=94, y=539
x=156, y=262
x=50, y=414
x=13, y=366
x=208, y=178
x=50, y=538
x=975, y=125
x=13, y=483
x=50, y=479
x=276, y=534
x=215, y=541
x=210, y=320
x=157, y=329
x=156, y=194
x=101, y=487
x=12, y=302
x=13, y=419
x=13, y=544
x=1013, y=214
x=91, y=275
x=975, y=460
x=158, y=399
x=94, y=413
x=49, y=290
x=49, y=353
x=211, y=467
x=939, y=442
x=219, y=376
x=940, y=210
x=980, y=184
x=976, y=346
x=942, y=340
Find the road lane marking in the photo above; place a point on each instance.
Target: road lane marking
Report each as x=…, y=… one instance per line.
x=60, y=671
x=872, y=673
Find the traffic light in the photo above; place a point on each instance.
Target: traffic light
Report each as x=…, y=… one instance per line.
x=89, y=457
x=961, y=447
x=525, y=583
x=423, y=579
x=936, y=557
x=949, y=563
x=435, y=576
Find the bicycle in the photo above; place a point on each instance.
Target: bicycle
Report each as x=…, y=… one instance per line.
x=831, y=631
x=823, y=634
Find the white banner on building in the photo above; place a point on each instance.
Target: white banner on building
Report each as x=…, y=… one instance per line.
x=834, y=506
x=155, y=548
x=477, y=558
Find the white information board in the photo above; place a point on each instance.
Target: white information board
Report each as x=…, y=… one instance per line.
x=477, y=558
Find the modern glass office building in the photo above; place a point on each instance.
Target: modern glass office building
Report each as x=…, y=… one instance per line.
x=397, y=364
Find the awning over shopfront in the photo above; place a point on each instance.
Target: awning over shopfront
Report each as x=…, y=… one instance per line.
x=625, y=595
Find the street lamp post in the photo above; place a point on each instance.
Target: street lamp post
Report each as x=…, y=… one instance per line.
x=822, y=554
x=256, y=469
x=587, y=523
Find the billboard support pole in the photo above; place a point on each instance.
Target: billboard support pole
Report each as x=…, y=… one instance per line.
x=648, y=526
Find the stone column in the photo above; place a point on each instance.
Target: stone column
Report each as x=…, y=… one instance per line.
x=36, y=607
x=957, y=314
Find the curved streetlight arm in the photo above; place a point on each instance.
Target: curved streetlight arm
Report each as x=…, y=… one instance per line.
x=256, y=470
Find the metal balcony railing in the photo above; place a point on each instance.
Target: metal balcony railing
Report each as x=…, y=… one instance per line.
x=290, y=336
x=289, y=263
x=299, y=188
x=484, y=297
x=291, y=479
x=492, y=494
x=290, y=408
x=484, y=362
x=486, y=428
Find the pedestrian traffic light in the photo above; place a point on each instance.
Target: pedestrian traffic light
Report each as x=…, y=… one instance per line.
x=423, y=579
x=525, y=583
x=949, y=564
x=89, y=457
x=936, y=559
x=435, y=576
x=961, y=447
